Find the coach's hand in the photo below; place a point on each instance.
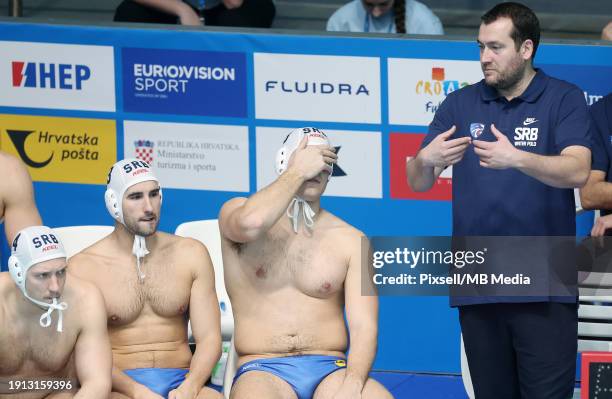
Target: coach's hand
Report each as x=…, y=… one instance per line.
x=444, y=151
x=500, y=154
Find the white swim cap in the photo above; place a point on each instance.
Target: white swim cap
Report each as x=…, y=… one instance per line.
x=123, y=175
x=293, y=140
x=291, y=143
x=32, y=246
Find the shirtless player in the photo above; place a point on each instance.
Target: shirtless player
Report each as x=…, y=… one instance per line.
x=290, y=279
x=152, y=283
x=70, y=333
x=17, y=206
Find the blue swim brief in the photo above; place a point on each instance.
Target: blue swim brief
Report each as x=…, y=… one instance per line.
x=304, y=373
x=160, y=381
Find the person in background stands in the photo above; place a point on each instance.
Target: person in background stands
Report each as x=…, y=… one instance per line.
x=237, y=13
x=385, y=16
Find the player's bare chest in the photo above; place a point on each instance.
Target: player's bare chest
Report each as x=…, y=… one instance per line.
x=37, y=350
x=313, y=266
x=162, y=292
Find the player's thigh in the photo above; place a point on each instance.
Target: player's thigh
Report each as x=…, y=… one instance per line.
x=117, y=395
x=209, y=393
x=259, y=384
x=330, y=385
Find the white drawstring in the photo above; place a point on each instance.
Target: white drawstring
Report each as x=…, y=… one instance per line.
x=293, y=212
x=139, y=250
x=45, y=318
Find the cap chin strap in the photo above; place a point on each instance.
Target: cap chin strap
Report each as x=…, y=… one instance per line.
x=45, y=318
x=293, y=212
x=139, y=249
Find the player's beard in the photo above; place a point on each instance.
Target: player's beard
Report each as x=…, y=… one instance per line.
x=140, y=228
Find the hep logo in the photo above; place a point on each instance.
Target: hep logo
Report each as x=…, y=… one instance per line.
x=52, y=76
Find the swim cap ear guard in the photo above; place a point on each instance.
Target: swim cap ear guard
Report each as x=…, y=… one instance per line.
x=31, y=246
x=123, y=175
x=16, y=271
x=290, y=144
x=112, y=205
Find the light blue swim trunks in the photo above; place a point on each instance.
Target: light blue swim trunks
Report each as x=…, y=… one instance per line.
x=304, y=373
x=160, y=381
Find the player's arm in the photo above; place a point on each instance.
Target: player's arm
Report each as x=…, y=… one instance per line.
x=93, y=357
x=362, y=318
x=121, y=382
x=597, y=192
x=19, y=207
x=205, y=322
x=244, y=220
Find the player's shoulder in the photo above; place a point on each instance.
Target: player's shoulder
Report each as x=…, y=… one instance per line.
x=83, y=293
x=190, y=253
x=186, y=246
x=340, y=227
x=84, y=299
x=81, y=288
x=93, y=254
x=92, y=260
x=173, y=241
